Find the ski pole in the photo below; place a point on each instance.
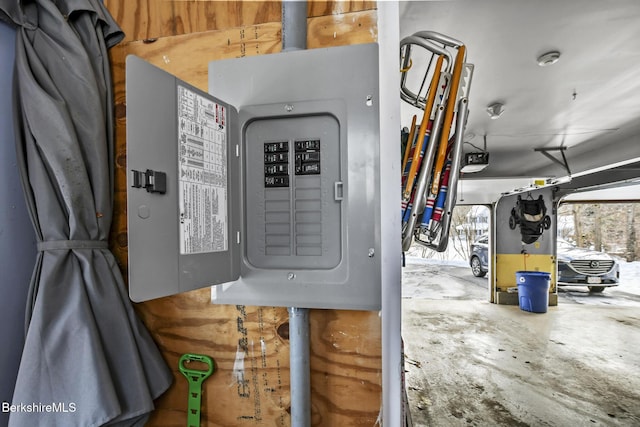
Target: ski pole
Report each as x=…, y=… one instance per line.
x=410, y=142
x=423, y=126
x=448, y=120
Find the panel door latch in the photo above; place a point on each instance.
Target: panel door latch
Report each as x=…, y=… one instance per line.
x=150, y=180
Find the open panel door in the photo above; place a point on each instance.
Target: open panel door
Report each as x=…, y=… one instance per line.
x=183, y=185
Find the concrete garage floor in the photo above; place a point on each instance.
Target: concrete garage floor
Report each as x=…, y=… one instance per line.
x=472, y=363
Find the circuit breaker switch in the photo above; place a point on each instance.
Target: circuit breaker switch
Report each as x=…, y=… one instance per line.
x=276, y=164
x=308, y=157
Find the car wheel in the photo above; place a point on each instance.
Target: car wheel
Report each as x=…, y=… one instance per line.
x=476, y=267
x=596, y=288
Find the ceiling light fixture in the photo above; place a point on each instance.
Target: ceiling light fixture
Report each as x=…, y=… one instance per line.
x=548, y=58
x=495, y=110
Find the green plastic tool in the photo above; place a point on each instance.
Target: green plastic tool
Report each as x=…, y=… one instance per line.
x=195, y=378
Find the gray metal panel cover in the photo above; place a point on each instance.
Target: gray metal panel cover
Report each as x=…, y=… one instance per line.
x=164, y=259
x=339, y=82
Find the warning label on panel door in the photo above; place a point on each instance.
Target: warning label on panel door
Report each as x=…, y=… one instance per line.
x=202, y=166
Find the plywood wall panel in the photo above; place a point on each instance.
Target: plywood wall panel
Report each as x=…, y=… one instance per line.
x=149, y=19
x=323, y=8
x=345, y=362
x=187, y=56
x=342, y=29
x=250, y=384
x=249, y=344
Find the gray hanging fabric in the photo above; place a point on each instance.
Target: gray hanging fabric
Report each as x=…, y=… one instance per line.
x=88, y=360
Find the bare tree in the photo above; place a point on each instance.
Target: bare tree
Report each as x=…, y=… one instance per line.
x=631, y=254
x=597, y=227
x=462, y=231
x=577, y=223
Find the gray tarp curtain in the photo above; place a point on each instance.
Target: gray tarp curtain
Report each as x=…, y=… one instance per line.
x=86, y=352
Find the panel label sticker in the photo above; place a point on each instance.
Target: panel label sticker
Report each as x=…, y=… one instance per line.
x=202, y=169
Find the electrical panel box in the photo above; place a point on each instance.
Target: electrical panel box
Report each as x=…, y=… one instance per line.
x=266, y=189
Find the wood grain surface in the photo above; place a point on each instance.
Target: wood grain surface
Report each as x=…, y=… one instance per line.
x=249, y=344
x=149, y=19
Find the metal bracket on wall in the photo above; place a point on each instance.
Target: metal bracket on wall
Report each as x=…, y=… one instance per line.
x=562, y=163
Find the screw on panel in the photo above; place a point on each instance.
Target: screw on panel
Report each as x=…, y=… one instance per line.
x=289, y=108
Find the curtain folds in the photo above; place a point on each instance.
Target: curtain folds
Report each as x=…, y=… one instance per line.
x=86, y=352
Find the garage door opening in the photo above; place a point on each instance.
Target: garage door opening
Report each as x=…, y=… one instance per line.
x=613, y=228
x=599, y=248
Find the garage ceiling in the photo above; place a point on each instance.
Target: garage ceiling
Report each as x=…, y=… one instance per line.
x=588, y=102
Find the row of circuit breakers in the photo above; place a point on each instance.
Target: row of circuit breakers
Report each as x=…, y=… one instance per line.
x=266, y=189
x=276, y=161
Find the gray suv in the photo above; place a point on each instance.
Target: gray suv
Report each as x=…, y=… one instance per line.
x=576, y=266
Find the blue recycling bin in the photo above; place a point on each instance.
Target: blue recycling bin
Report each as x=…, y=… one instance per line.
x=533, y=290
